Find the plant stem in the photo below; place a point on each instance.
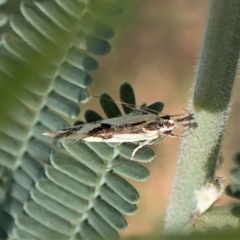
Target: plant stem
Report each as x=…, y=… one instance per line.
x=211, y=99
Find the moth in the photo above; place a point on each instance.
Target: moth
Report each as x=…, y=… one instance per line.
x=141, y=129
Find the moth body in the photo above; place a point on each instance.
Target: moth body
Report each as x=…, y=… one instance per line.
x=133, y=128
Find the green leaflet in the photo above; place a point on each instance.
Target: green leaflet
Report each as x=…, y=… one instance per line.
x=9, y=144
x=73, y=168
x=131, y=169
x=68, y=183
x=86, y=156
x=62, y=105
x=122, y=187
x=53, y=206
x=37, y=229
x=79, y=59
x=21, y=177
x=112, y=216
x=70, y=91
x=24, y=235
x=51, y=120
x=47, y=218
x=92, y=44
x=7, y=160
x=18, y=192
x=75, y=75
x=111, y=197
x=103, y=227
x=88, y=232
x=233, y=190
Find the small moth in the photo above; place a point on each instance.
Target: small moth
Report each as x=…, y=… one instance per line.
x=141, y=129
x=207, y=195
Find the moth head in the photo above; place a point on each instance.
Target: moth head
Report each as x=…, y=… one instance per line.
x=168, y=125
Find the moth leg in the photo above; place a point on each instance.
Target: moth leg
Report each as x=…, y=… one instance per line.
x=141, y=144
x=157, y=140
x=188, y=118
x=191, y=123
x=170, y=134
x=178, y=136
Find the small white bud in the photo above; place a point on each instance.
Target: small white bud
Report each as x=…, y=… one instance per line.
x=207, y=195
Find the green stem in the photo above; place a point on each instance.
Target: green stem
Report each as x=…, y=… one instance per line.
x=211, y=99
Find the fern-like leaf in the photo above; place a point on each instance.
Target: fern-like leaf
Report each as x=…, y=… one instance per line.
x=44, y=73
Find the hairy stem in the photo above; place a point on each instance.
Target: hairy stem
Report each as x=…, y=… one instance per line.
x=211, y=98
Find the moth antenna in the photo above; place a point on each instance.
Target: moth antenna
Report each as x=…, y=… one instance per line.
x=139, y=108
x=119, y=102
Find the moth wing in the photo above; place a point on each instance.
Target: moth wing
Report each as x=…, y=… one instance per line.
x=80, y=132
x=125, y=120
x=76, y=133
